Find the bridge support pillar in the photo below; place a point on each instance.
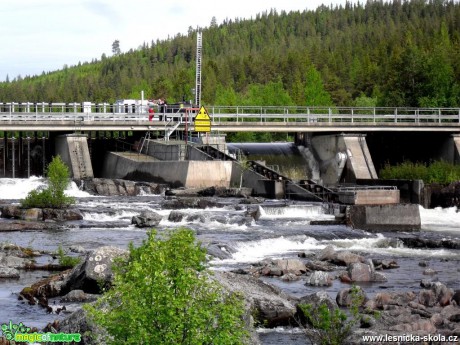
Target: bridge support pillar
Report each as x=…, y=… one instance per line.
x=73, y=149
x=337, y=159
x=456, y=153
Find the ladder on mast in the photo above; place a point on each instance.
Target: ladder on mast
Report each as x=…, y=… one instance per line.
x=199, y=46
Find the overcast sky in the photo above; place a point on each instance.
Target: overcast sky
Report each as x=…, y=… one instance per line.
x=45, y=35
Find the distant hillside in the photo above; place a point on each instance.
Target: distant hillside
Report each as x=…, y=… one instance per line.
x=401, y=53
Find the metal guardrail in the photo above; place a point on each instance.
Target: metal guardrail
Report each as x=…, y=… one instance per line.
x=236, y=114
x=360, y=187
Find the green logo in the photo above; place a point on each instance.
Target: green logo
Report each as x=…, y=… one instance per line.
x=10, y=330
x=20, y=333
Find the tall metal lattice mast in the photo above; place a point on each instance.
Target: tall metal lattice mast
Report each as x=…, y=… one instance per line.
x=198, y=69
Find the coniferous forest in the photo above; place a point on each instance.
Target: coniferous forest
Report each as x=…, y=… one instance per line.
x=377, y=53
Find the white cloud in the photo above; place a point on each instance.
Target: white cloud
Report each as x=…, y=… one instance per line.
x=43, y=35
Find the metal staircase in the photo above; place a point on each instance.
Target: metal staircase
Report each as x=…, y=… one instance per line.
x=304, y=189
x=216, y=153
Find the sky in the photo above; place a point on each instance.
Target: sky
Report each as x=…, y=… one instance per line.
x=44, y=35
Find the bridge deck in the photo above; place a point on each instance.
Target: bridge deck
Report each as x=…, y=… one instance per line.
x=234, y=119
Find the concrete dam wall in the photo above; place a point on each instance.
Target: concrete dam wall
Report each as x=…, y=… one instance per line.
x=189, y=174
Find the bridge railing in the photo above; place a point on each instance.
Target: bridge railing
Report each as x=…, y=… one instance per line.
x=334, y=114
x=88, y=111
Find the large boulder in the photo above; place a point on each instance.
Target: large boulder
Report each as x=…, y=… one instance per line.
x=319, y=278
x=270, y=306
x=40, y=291
x=12, y=261
x=437, y=293
x=176, y=216
x=37, y=214
x=109, y=187
x=346, y=297
x=327, y=254
x=294, y=266
x=78, y=322
x=8, y=272
x=283, y=267
x=147, y=219
x=314, y=300
x=27, y=225
x=11, y=211
x=66, y=214
x=78, y=296
x=95, y=273
x=360, y=272
x=32, y=214
x=345, y=258
x=186, y=202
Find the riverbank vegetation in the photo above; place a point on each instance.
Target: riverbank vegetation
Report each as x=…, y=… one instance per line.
x=163, y=294
x=53, y=196
x=437, y=172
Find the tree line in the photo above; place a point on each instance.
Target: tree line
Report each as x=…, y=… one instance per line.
x=378, y=53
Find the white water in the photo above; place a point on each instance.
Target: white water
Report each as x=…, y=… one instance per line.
x=280, y=232
x=255, y=251
x=293, y=212
x=19, y=188
x=440, y=219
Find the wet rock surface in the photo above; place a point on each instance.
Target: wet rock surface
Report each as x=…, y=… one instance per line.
x=116, y=187
x=95, y=272
x=146, y=219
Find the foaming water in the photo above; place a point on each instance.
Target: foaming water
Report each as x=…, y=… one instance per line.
x=74, y=190
x=280, y=232
x=293, y=212
x=440, y=219
x=254, y=251
x=108, y=217
x=390, y=247
x=19, y=188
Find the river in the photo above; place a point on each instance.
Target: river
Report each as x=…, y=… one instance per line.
x=280, y=232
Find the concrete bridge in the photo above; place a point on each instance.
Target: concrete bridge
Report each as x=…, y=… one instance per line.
x=62, y=117
x=339, y=144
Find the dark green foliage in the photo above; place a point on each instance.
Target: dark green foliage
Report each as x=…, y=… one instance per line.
x=437, y=172
x=332, y=326
x=53, y=196
x=400, y=53
x=164, y=295
x=66, y=260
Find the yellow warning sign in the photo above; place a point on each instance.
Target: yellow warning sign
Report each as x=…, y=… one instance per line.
x=202, y=121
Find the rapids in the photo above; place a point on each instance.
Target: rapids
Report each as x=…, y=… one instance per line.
x=280, y=232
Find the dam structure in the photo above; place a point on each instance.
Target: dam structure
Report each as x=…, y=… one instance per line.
x=340, y=145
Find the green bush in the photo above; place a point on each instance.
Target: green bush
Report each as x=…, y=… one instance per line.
x=163, y=295
x=437, y=172
x=66, y=260
x=332, y=326
x=53, y=196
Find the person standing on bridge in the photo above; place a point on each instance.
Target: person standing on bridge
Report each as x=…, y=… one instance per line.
x=151, y=111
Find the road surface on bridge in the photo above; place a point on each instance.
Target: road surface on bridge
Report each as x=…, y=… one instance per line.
x=59, y=117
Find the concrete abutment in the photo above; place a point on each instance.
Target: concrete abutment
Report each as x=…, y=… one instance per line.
x=334, y=159
x=73, y=149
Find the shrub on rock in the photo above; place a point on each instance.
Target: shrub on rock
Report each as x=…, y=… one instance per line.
x=163, y=293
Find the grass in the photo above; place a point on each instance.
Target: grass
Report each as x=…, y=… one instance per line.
x=66, y=260
x=440, y=172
